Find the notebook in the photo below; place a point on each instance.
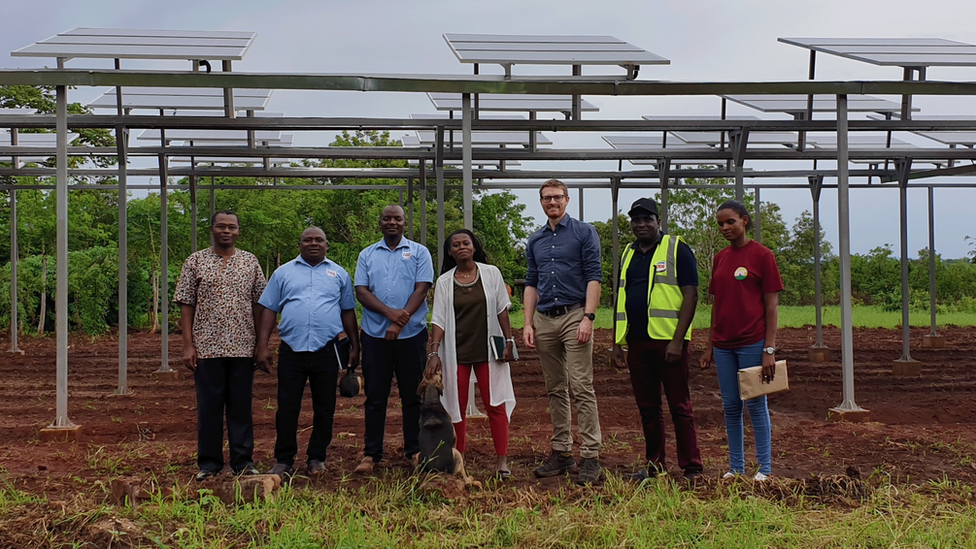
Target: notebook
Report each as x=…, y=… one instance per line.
x=498, y=348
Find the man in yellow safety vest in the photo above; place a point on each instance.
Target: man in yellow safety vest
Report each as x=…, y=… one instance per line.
x=656, y=298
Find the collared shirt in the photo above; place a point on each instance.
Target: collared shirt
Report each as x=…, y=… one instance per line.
x=638, y=277
x=223, y=292
x=562, y=262
x=310, y=300
x=391, y=275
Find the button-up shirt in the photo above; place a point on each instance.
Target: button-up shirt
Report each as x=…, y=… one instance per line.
x=391, y=275
x=223, y=292
x=310, y=300
x=562, y=262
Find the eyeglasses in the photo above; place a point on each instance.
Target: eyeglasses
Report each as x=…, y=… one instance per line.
x=553, y=198
x=223, y=227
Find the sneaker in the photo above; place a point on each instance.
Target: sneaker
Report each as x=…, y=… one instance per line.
x=730, y=474
x=365, y=466
x=558, y=463
x=204, y=474
x=282, y=470
x=760, y=477
x=247, y=471
x=314, y=467
x=590, y=471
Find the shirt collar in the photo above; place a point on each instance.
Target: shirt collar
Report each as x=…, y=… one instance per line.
x=404, y=243
x=636, y=244
x=301, y=260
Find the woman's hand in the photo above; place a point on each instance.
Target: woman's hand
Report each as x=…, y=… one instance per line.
x=768, y=367
x=433, y=366
x=508, y=355
x=706, y=359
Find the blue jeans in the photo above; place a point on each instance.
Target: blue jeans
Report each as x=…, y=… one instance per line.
x=728, y=362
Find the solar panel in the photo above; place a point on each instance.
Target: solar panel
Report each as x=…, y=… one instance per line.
x=93, y=43
x=507, y=102
x=966, y=138
x=16, y=111
x=243, y=100
x=28, y=141
x=649, y=143
x=715, y=137
x=796, y=103
x=429, y=137
x=223, y=136
x=899, y=52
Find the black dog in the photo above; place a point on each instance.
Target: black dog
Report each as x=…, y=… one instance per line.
x=437, y=451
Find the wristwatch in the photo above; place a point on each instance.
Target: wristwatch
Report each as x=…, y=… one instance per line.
x=769, y=350
x=591, y=316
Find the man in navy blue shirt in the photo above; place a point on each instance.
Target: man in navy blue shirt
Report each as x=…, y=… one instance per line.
x=657, y=296
x=562, y=285
x=314, y=297
x=393, y=277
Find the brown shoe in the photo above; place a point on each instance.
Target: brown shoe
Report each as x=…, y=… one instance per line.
x=365, y=466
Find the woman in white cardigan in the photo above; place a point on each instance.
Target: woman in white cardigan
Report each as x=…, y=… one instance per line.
x=470, y=305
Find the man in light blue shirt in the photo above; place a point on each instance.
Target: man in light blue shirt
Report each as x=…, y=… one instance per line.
x=315, y=299
x=393, y=277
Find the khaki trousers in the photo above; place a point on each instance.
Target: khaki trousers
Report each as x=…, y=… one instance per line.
x=568, y=366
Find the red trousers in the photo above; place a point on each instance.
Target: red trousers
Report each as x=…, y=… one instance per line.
x=497, y=417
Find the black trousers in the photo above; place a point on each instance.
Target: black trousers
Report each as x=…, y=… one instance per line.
x=224, y=384
x=381, y=360
x=320, y=369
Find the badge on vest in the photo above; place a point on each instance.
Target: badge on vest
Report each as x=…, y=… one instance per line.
x=333, y=274
x=406, y=255
x=660, y=267
x=741, y=273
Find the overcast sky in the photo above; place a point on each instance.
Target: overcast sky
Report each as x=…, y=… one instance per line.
x=714, y=40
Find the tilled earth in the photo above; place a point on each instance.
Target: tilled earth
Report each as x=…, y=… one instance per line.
x=919, y=429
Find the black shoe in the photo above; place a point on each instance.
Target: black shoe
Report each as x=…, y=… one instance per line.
x=590, y=471
x=204, y=474
x=652, y=471
x=693, y=477
x=558, y=463
x=314, y=467
x=282, y=470
x=247, y=471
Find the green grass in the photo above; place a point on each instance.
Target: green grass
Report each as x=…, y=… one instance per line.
x=865, y=316
x=403, y=512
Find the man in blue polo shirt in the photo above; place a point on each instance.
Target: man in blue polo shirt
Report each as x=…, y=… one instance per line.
x=315, y=299
x=562, y=285
x=393, y=277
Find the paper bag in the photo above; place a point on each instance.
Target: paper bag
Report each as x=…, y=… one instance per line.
x=751, y=382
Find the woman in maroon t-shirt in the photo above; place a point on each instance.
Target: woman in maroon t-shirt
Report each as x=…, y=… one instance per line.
x=745, y=285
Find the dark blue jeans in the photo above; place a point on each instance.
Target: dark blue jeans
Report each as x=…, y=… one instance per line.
x=224, y=385
x=320, y=369
x=728, y=362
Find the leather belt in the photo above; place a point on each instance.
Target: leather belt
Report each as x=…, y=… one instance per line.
x=560, y=311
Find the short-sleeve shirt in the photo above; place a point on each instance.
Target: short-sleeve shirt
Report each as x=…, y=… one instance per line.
x=740, y=278
x=391, y=276
x=311, y=300
x=638, y=276
x=223, y=292
x=562, y=262
x=471, y=321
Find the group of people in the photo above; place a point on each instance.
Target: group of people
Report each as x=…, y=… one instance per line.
x=229, y=311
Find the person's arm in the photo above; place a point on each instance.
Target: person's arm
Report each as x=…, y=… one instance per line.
x=771, y=309
x=186, y=324
x=706, y=359
x=433, y=354
x=352, y=332
x=593, y=274
x=689, y=300
x=530, y=297
x=585, y=330
x=262, y=356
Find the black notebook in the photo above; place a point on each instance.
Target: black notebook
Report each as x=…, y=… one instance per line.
x=498, y=348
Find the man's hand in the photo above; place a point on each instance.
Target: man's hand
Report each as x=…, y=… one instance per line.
x=768, y=367
x=672, y=353
x=262, y=359
x=585, y=330
x=398, y=316
x=528, y=336
x=393, y=332
x=617, y=356
x=706, y=359
x=190, y=357
x=353, y=359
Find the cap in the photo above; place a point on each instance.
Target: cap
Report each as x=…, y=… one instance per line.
x=646, y=204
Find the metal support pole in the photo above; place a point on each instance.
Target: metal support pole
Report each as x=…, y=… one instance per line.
x=61, y=302
x=738, y=140
x=122, y=144
x=816, y=186
x=193, y=213
x=932, y=329
x=577, y=100
x=906, y=100
x=844, y=230
x=801, y=142
x=532, y=135
x=468, y=187
x=439, y=173
x=615, y=227
x=904, y=167
x=758, y=218
x=410, y=208
x=664, y=174
x=164, y=263
x=14, y=252
x=423, y=202
x=229, y=110
x=580, y=204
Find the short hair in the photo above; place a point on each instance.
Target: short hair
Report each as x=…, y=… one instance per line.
x=554, y=183
x=739, y=208
x=392, y=206
x=213, y=218
x=479, y=251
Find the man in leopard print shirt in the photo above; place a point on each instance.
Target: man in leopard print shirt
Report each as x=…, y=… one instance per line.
x=218, y=292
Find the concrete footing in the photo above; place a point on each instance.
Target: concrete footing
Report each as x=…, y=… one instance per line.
x=166, y=374
x=16, y=352
x=61, y=434
x=819, y=354
x=854, y=416
x=906, y=368
x=933, y=342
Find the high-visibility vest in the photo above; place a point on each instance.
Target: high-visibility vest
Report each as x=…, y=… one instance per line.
x=664, y=296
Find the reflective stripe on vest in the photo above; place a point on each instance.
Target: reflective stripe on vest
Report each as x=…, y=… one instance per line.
x=664, y=295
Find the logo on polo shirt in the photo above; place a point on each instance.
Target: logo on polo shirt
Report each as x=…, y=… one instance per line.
x=331, y=273
x=660, y=267
x=406, y=255
x=741, y=273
